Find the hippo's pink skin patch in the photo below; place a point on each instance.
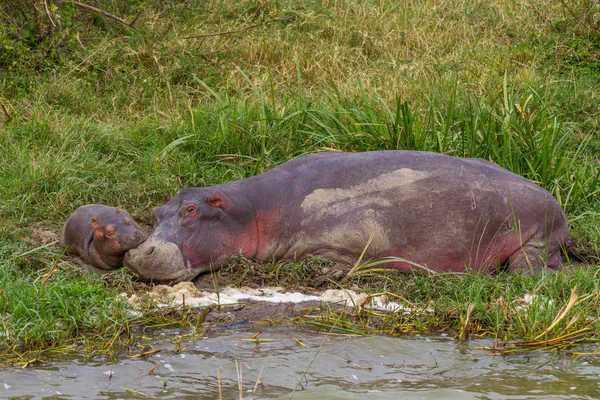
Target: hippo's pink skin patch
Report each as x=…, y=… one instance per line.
x=227, y=247
x=188, y=255
x=268, y=232
x=195, y=258
x=247, y=241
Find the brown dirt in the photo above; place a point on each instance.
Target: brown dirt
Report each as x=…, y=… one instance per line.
x=39, y=235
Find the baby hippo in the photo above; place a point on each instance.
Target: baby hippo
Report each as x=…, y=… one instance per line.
x=101, y=235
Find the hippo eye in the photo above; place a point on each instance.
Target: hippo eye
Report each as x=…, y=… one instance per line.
x=190, y=209
x=109, y=231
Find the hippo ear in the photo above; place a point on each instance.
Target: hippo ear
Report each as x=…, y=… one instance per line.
x=94, y=223
x=166, y=199
x=117, y=211
x=215, y=200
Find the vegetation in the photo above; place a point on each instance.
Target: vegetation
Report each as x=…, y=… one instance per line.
x=121, y=102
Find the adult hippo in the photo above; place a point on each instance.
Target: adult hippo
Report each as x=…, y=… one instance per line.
x=440, y=212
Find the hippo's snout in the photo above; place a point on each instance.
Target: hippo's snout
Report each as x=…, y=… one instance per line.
x=157, y=260
x=135, y=239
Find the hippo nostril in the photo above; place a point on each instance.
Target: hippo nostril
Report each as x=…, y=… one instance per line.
x=150, y=250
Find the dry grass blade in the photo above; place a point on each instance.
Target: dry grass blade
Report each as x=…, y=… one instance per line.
x=562, y=314
x=300, y=342
x=146, y=353
x=33, y=361
x=28, y=252
x=111, y=341
x=357, y=263
x=258, y=381
x=254, y=338
x=46, y=276
x=219, y=384
x=258, y=340
x=464, y=323
x=368, y=267
x=238, y=370
x=587, y=353
x=5, y=109
x=148, y=371
x=558, y=342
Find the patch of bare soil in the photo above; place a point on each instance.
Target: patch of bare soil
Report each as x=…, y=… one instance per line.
x=39, y=235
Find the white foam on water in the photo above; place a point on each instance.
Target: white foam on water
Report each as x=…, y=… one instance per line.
x=186, y=292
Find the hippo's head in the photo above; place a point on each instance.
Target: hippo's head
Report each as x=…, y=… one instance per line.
x=115, y=232
x=198, y=230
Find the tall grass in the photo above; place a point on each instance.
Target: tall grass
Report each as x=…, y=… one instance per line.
x=514, y=129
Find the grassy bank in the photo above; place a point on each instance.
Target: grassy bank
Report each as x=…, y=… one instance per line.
x=100, y=110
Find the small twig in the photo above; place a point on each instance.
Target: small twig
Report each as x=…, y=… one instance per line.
x=79, y=40
x=258, y=380
x=136, y=18
x=256, y=335
x=169, y=27
x=237, y=30
x=148, y=371
x=145, y=353
x=219, y=384
x=537, y=11
x=48, y=12
x=105, y=13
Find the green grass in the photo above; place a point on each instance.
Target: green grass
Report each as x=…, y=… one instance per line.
x=94, y=111
x=53, y=307
x=506, y=306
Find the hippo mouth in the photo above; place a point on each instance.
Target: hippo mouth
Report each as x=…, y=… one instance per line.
x=159, y=261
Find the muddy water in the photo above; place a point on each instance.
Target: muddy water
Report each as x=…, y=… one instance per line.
x=322, y=367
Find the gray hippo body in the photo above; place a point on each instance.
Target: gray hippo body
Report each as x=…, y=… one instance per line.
x=444, y=213
x=101, y=235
